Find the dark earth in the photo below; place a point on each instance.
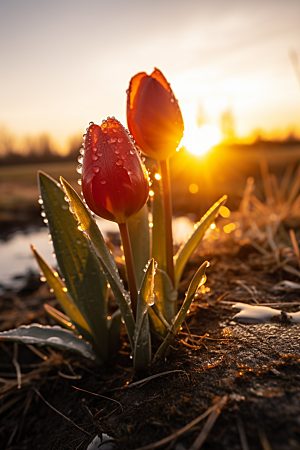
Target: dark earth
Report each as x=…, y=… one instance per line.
x=254, y=369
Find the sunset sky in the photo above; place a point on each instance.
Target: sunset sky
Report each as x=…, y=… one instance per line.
x=66, y=63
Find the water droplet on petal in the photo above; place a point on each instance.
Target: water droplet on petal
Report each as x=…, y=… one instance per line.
x=80, y=159
x=79, y=181
x=94, y=157
x=132, y=152
x=91, y=123
x=120, y=162
x=120, y=140
x=103, y=181
x=117, y=152
x=79, y=168
x=94, y=149
x=112, y=140
x=130, y=172
x=96, y=169
x=81, y=151
x=40, y=201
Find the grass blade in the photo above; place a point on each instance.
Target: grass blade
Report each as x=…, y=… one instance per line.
x=187, y=248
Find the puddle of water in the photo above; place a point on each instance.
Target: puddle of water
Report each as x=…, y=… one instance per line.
x=250, y=314
x=17, y=261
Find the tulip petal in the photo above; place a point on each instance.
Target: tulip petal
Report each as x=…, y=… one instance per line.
x=153, y=115
x=114, y=179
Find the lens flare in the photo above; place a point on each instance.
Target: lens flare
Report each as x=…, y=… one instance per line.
x=200, y=140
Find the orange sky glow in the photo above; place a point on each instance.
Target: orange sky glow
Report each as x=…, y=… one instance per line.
x=66, y=63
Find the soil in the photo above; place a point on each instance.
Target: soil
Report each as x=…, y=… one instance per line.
x=257, y=368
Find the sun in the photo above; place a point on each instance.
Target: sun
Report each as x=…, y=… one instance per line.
x=199, y=140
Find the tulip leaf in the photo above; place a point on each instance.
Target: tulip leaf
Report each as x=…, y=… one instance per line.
x=165, y=300
x=91, y=230
x=62, y=320
x=142, y=339
x=80, y=267
x=187, y=248
x=139, y=234
x=158, y=230
x=63, y=296
x=114, y=329
x=56, y=336
x=197, y=281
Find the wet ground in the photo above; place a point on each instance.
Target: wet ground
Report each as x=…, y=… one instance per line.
x=253, y=371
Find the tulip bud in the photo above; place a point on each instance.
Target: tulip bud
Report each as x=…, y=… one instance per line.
x=114, y=179
x=153, y=115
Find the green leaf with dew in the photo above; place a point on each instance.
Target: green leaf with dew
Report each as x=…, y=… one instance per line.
x=158, y=230
x=80, y=267
x=62, y=320
x=89, y=227
x=114, y=329
x=187, y=248
x=63, y=296
x=56, y=337
x=139, y=234
x=197, y=281
x=142, y=339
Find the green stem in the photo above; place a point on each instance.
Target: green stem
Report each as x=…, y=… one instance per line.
x=129, y=266
x=165, y=175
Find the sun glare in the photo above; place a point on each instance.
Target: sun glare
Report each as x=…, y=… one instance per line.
x=199, y=140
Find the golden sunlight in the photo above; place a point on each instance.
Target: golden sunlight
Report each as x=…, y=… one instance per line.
x=199, y=140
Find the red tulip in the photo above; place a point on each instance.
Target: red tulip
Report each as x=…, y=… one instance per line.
x=114, y=179
x=153, y=115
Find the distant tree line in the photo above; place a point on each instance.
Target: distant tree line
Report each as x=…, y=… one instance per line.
x=36, y=149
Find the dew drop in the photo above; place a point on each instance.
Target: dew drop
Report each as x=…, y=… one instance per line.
x=53, y=255
x=103, y=181
x=40, y=201
x=51, y=290
x=95, y=157
x=132, y=152
x=43, y=214
x=45, y=220
x=91, y=123
x=65, y=207
x=79, y=168
x=130, y=172
x=96, y=169
x=120, y=140
x=79, y=181
x=112, y=140
x=99, y=153
x=117, y=152
x=81, y=151
x=120, y=162
x=80, y=159
x=94, y=149
x=43, y=279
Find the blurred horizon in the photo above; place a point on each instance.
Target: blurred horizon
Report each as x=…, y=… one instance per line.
x=66, y=64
